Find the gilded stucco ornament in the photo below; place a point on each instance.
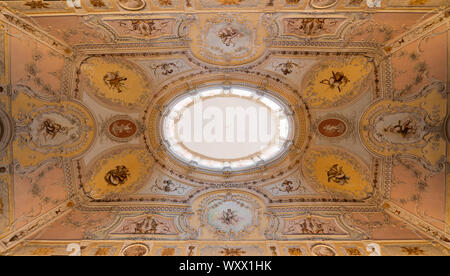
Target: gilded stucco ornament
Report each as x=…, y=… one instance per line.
x=228, y=215
x=411, y=127
x=139, y=28
x=313, y=27
x=49, y=130
x=148, y=224
x=114, y=82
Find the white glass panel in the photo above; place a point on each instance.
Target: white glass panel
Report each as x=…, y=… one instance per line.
x=284, y=128
x=271, y=104
x=204, y=153
x=211, y=92
x=241, y=92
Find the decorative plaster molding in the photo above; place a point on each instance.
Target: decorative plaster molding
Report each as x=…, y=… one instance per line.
x=436, y=234
x=11, y=18
x=6, y=128
x=37, y=224
x=419, y=31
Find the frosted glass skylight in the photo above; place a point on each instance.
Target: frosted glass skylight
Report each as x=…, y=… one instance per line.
x=226, y=129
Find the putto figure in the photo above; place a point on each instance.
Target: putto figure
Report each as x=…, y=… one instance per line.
x=114, y=81
x=337, y=80
x=51, y=129
x=309, y=26
x=287, y=67
x=165, y=68
x=146, y=27
x=118, y=176
x=405, y=129
x=229, y=217
x=337, y=175
x=228, y=34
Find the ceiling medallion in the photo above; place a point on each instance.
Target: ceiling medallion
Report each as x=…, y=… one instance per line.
x=323, y=4
x=131, y=5
x=323, y=250
x=220, y=129
x=332, y=128
x=135, y=249
x=121, y=128
x=230, y=216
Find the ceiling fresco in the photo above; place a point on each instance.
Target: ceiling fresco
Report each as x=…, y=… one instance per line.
x=86, y=167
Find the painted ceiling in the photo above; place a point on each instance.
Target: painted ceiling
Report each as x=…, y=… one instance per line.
x=84, y=85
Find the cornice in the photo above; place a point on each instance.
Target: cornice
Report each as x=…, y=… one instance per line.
x=19, y=235
x=424, y=227
x=13, y=19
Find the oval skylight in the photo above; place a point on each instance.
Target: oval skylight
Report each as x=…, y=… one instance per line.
x=226, y=129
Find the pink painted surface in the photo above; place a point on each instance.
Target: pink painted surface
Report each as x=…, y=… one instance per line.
x=428, y=56
x=75, y=225
x=71, y=29
x=385, y=26
x=424, y=198
x=35, y=65
x=38, y=192
x=384, y=227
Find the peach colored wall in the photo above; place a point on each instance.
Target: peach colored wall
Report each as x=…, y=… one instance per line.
x=384, y=227
x=424, y=196
x=420, y=63
x=35, y=65
x=37, y=192
x=71, y=29
x=383, y=27
x=75, y=225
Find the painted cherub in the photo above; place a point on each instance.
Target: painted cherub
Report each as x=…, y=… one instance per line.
x=114, y=81
x=404, y=129
x=229, y=217
x=51, y=129
x=337, y=80
x=228, y=34
x=337, y=175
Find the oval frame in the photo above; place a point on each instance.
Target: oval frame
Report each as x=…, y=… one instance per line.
x=147, y=250
x=274, y=170
x=322, y=7
x=132, y=9
x=106, y=128
x=269, y=95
